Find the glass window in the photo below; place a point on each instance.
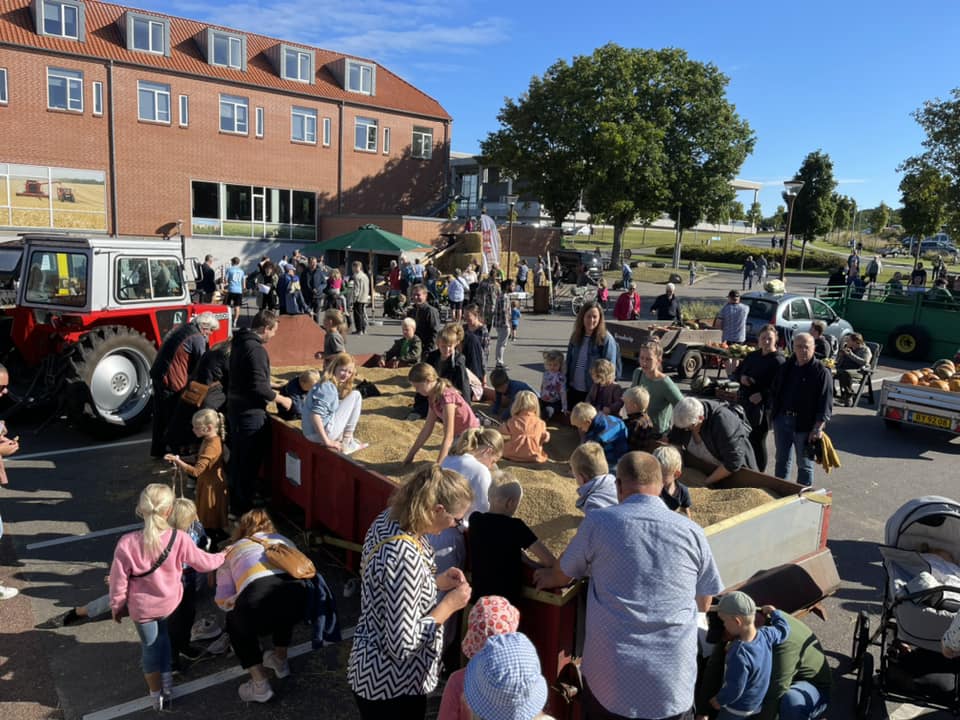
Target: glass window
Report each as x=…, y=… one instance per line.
x=148, y=35
x=304, y=208
x=227, y=50
x=98, y=98
x=326, y=132
x=165, y=278
x=206, y=203
x=133, y=279
x=184, y=110
x=65, y=89
x=821, y=311
x=233, y=114
x=359, y=77
x=3, y=87
x=304, y=125
x=259, y=122
x=154, y=101
x=238, y=202
x=386, y=141
x=798, y=310
x=296, y=65
x=422, y=146
x=366, y=134
x=61, y=19
x=759, y=308
x=57, y=278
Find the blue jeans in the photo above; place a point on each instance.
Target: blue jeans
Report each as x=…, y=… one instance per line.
x=790, y=442
x=627, y=278
x=802, y=702
x=154, y=645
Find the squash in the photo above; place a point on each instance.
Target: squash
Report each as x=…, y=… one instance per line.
x=954, y=385
x=910, y=378
x=939, y=385
x=944, y=368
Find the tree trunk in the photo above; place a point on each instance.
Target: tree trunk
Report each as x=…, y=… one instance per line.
x=619, y=226
x=676, y=248
x=803, y=252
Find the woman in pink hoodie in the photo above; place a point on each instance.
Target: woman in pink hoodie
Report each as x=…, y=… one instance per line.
x=145, y=582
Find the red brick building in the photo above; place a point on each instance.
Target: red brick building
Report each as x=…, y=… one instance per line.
x=128, y=122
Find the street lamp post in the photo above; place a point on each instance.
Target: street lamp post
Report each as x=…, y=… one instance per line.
x=511, y=202
x=791, y=190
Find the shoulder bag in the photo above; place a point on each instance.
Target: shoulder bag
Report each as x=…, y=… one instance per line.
x=123, y=612
x=286, y=558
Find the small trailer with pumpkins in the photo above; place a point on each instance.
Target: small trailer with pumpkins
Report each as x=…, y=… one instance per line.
x=926, y=398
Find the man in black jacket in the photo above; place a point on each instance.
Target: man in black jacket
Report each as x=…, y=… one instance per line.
x=247, y=400
x=427, y=318
x=714, y=432
x=802, y=403
x=667, y=306
x=313, y=284
x=207, y=285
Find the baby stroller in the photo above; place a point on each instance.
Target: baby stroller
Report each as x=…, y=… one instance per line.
x=919, y=603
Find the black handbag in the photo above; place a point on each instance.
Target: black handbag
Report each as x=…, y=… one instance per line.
x=367, y=389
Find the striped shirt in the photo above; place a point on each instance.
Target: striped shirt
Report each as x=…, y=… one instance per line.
x=244, y=564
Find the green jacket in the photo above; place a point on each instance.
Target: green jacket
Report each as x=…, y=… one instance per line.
x=798, y=658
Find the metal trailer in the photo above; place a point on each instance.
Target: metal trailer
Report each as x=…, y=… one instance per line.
x=905, y=404
x=681, y=345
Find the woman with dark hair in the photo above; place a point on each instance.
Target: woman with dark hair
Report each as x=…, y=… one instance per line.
x=755, y=375
x=267, y=296
x=397, y=644
x=589, y=341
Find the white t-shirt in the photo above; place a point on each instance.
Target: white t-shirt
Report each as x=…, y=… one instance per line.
x=455, y=289
x=477, y=475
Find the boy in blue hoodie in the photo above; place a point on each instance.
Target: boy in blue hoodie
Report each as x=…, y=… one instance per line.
x=598, y=427
x=749, y=660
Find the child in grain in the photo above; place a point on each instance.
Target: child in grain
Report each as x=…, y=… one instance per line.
x=596, y=486
x=608, y=430
x=506, y=390
x=335, y=326
x=514, y=319
x=605, y=395
x=497, y=542
x=211, y=490
x=445, y=404
x=297, y=390
x=640, y=432
x=525, y=433
x=675, y=494
x=749, y=660
x=332, y=409
x=405, y=351
x=553, y=385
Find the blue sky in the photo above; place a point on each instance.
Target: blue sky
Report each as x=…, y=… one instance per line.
x=841, y=76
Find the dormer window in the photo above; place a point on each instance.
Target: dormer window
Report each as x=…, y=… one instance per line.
x=361, y=77
x=297, y=64
x=226, y=49
x=146, y=33
x=59, y=18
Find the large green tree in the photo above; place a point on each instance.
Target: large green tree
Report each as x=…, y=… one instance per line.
x=813, y=210
x=755, y=214
x=639, y=131
x=844, y=210
x=924, y=192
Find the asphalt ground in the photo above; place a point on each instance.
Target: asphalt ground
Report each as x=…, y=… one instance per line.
x=65, y=486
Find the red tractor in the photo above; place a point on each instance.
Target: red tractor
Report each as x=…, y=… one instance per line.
x=89, y=318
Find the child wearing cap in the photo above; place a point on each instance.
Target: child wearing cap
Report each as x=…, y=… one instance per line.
x=492, y=615
x=504, y=682
x=749, y=659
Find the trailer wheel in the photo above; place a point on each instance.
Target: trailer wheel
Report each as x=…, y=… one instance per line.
x=863, y=697
x=112, y=367
x=909, y=342
x=690, y=364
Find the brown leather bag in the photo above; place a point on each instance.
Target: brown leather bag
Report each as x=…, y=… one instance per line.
x=290, y=560
x=195, y=393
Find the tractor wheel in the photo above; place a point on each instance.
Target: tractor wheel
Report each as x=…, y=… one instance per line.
x=112, y=364
x=690, y=364
x=909, y=341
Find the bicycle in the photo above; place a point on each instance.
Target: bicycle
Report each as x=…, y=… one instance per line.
x=582, y=294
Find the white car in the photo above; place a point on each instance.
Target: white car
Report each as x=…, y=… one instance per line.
x=791, y=313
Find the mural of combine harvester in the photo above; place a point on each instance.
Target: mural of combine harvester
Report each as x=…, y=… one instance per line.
x=35, y=188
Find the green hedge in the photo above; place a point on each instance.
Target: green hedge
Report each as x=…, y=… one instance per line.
x=737, y=254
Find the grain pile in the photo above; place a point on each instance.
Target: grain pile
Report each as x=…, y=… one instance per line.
x=550, y=492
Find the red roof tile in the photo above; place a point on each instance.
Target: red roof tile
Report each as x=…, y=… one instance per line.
x=103, y=41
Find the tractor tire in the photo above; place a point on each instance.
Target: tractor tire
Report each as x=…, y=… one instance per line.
x=111, y=377
x=910, y=342
x=690, y=364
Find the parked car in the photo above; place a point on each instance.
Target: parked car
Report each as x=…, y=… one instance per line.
x=939, y=243
x=575, y=261
x=893, y=251
x=791, y=313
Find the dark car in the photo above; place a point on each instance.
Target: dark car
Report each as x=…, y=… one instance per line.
x=576, y=262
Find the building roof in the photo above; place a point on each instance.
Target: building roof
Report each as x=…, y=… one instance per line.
x=103, y=41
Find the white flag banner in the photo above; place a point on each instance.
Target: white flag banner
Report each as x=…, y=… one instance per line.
x=490, y=244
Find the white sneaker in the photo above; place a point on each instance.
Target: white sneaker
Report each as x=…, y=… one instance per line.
x=270, y=660
x=8, y=592
x=252, y=691
x=220, y=646
x=206, y=628
x=353, y=445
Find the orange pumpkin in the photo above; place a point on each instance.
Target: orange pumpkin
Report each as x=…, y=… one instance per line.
x=910, y=378
x=939, y=385
x=954, y=385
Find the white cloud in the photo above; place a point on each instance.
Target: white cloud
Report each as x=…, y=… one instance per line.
x=852, y=181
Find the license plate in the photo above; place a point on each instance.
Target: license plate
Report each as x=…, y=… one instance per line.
x=932, y=420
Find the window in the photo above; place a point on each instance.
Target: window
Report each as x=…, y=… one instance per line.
x=260, y=122
x=798, y=310
x=154, y=102
x=147, y=33
x=366, y=134
x=227, y=50
x=822, y=311
x=304, y=125
x=3, y=91
x=65, y=89
x=386, y=141
x=98, y=98
x=57, y=278
x=233, y=114
x=296, y=64
x=61, y=19
x=361, y=77
x=326, y=132
x=422, y=143
x=184, y=110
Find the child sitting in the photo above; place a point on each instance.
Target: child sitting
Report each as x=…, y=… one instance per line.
x=675, y=494
x=332, y=409
x=506, y=390
x=605, y=395
x=608, y=430
x=445, y=404
x=525, y=433
x=406, y=350
x=749, y=659
x=553, y=385
x=335, y=327
x=596, y=487
x=497, y=542
x=297, y=390
x=640, y=432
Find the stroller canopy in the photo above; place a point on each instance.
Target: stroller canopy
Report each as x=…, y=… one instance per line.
x=923, y=509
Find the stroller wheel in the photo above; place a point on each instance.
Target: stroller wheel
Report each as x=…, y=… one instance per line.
x=864, y=690
x=861, y=638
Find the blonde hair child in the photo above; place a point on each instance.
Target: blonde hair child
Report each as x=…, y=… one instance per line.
x=211, y=490
x=341, y=380
x=553, y=385
x=444, y=404
x=640, y=432
x=675, y=494
x=604, y=394
x=525, y=432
